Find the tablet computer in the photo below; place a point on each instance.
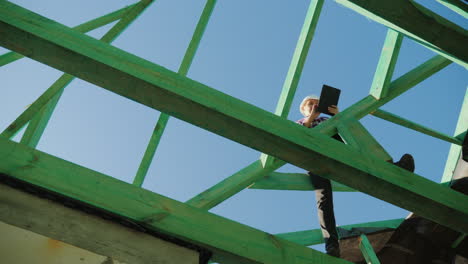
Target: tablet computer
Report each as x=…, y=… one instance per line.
x=328, y=97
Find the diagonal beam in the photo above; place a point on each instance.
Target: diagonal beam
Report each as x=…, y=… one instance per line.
x=368, y=251
x=455, y=150
x=152, y=85
x=155, y=211
x=418, y=23
x=297, y=64
x=239, y=181
x=38, y=124
x=85, y=27
x=388, y=58
x=352, y=130
x=293, y=181
x=315, y=237
x=183, y=70
x=457, y=6
x=414, y=126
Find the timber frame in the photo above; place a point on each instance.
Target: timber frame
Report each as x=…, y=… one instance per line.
x=280, y=140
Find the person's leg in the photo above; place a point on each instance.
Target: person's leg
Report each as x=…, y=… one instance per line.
x=326, y=215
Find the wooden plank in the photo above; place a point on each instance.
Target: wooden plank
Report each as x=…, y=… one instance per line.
x=353, y=132
x=418, y=23
x=314, y=237
x=387, y=61
x=85, y=27
x=152, y=85
x=293, y=181
x=183, y=70
x=38, y=124
x=458, y=6
x=161, y=214
x=414, y=126
x=368, y=251
x=297, y=64
x=455, y=149
x=86, y=231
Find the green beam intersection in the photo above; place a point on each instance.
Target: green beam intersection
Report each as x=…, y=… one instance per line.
x=152, y=85
x=418, y=23
x=156, y=211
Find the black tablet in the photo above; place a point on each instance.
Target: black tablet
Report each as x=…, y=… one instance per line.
x=328, y=97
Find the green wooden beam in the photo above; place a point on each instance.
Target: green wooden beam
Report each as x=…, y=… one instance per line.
x=152, y=85
x=351, y=130
x=239, y=181
x=417, y=127
x=231, y=185
x=297, y=64
x=36, y=127
x=157, y=212
x=85, y=27
x=455, y=149
x=457, y=6
x=385, y=67
x=418, y=23
x=368, y=251
x=183, y=70
x=292, y=181
x=315, y=237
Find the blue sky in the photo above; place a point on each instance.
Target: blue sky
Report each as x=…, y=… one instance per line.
x=245, y=52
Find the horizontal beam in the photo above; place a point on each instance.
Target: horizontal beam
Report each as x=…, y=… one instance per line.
x=414, y=126
x=293, y=181
x=314, y=237
x=225, y=238
x=152, y=85
x=418, y=23
x=86, y=231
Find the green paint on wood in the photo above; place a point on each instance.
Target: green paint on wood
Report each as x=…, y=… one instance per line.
x=458, y=6
x=418, y=23
x=183, y=70
x=388, y=58
x=152, y=85
x=297, y=64
x=417, y=127
x=354, y=132
x=455, y=150
x=314, y=237
x=183, y=221
x=293, y=181
x=368, y=251
x=38, y=124
x=85, y=27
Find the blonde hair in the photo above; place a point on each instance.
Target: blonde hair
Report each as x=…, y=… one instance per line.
x=309, y=97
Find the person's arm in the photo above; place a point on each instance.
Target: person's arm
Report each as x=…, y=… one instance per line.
x=315, y=113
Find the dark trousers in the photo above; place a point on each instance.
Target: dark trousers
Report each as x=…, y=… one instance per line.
x=326, y=215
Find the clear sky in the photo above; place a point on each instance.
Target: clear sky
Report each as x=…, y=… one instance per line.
x=245, y=52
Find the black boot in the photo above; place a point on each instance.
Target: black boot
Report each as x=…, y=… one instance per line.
x=406, y=162
x=465, y=148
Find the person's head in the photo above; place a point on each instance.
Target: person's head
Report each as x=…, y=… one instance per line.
x=307, y=104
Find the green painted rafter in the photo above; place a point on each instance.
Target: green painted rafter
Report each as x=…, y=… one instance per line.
x=183, y=70
x=85, y=27
x=411, y=125
x=247, y=176
x=39, y=122
x=455, y=150
x=351, y=130
x=418, y=23
x=159, y=213
x=368, y=251
x=167, y=91
x=297, y=64
x=315, y=237
x=457, y=6
x=388, y=58
x=292, y=181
